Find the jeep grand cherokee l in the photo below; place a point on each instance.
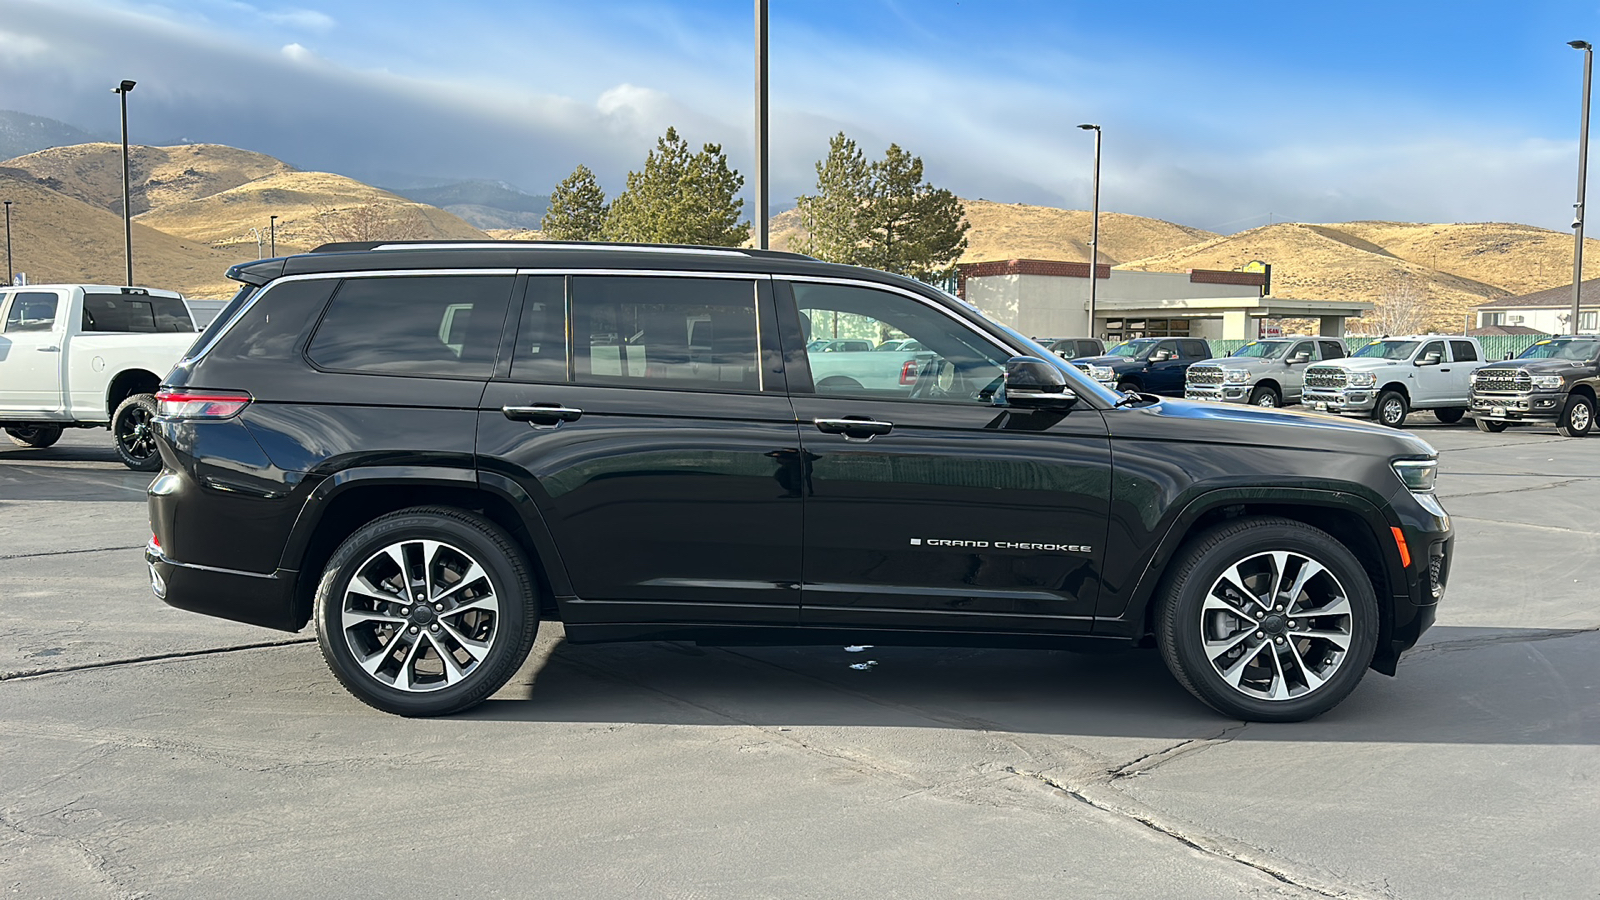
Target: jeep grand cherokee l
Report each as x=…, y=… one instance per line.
x=424, y=450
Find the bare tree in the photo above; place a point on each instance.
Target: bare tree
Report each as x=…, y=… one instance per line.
x=1402, y=308
x=369, y=222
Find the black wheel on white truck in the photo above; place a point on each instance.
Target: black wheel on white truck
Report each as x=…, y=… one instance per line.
x=130, y=430
x=35, y=436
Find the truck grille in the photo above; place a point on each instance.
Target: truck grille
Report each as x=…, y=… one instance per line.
x=1506, y=381
x=1325, y=377
x=1205, y=374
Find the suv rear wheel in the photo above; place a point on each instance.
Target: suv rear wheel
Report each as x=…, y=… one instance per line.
x=1577, y=420
x=426, y=611
x=1268, y=620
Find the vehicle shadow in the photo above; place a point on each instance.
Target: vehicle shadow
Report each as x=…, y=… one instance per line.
x=1508, y=688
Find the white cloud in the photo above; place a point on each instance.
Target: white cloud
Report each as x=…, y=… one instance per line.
x=22, y=46
x=298, y=53
x=304, y=19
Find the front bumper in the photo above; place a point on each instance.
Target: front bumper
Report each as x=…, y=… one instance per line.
x=1532, y=406
x=1430, y=542
x=1342, y=400
x=1218, y=393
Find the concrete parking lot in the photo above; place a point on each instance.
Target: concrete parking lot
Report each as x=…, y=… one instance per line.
x=148, y=752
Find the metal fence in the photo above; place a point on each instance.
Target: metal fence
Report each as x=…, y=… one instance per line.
x=1495, y=347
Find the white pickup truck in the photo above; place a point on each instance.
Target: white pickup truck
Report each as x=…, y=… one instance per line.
x=86, y=356
x=1387, y=378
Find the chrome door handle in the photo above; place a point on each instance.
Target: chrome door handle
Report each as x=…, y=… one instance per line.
x=854, y=428
x=542, y=414
x=48, y=349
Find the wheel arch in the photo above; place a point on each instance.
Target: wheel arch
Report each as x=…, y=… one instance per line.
x=1267, y=383
x=1397, y=387
x=345, y=501
x=1584, y=390
x=127, y=383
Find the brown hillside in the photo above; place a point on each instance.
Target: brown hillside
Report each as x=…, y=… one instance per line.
x=157, y=175
x=1322, y=262
x=299, y=200
x=60, y=239
x=1519, y=258
x=1019, y=231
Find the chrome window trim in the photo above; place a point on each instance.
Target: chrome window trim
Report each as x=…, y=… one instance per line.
x=655, y=273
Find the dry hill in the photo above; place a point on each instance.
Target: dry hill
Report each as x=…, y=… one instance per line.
x=1519, y=258
x=56, y=238
x=157, y=175
x=312, y=208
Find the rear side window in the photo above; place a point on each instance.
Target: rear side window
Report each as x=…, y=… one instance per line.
x=134, y=314
x=1196, y=350
x=1463, y=351
x=1332, y=349
x=674, y=333
x=431, y=325
x=31, y=311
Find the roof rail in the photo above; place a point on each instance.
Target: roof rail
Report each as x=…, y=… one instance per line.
x=613, y=247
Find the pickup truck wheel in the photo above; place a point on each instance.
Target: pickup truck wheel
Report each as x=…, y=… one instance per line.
x=1391, y=409
x=1265, y=396
x=1577, y=420
x=1128, y=387
x=426, y=611
x=1450, y=415
x=1268, y=620
x=131, y=431
x=36, y=436
x=838, y=383
x=1488, y=427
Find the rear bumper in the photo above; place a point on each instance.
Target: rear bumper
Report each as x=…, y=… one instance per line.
x=249, y=597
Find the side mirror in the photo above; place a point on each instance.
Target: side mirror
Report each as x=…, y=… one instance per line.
x=1161, y=356
x=1429, y=359
x=1035, y=384
x=1301, y=357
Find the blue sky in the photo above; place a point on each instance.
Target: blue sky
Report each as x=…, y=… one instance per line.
x=1216, y=115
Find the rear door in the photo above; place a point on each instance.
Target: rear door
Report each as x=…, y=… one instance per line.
x=646, y=418
x=1463, y=361
x=33, y=332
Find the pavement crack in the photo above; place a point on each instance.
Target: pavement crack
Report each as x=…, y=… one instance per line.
x=1156, y=758
x=1511, y=637
x=157, y=657
x=65, y=552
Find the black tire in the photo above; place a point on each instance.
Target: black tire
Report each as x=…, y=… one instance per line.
x=1266, y=396
x=131, y=433
x=35, y=436
x=1450, y=415
x=1181, y=620
x=1391, y=409
x=1128, y=387
x=1489, y=426
x=839, y=383
x=1577, y=419
x=507, y=631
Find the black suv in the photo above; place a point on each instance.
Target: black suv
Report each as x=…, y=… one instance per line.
x=1554, y=382
x=425, y=449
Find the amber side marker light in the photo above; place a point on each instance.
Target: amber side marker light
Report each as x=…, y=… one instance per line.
x=1400, y=544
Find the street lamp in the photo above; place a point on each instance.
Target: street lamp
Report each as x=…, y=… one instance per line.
x=272, y=230
x=127, y=208
x=256, y=233
x=763, y=232
x=11, y=275
x=1583, y=167
x=1094, y=229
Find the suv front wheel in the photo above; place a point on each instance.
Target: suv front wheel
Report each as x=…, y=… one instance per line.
x=426, y=611
x=1268, y=620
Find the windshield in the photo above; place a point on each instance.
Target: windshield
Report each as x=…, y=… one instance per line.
x=1573, y=350
x=1262, y=349
x=1133, y=348
x=1387, y=350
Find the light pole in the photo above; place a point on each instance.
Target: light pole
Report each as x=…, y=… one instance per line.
x=272, y=229
x=1583, y=174
x=127, y=208
x=763, y=234
x=11, y=275
x=1094, y=230
x=256, y=233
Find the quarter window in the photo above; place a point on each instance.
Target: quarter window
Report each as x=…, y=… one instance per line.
x=438, y=325
x=31, y=311
x=659, y=332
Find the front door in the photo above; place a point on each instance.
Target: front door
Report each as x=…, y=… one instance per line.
x=31, y=353
x=929, y=503
x=1433, y=384
x=651, y=429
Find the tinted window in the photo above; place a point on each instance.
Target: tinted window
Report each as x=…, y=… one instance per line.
x=275, y=324
x=1196, y=350
x=134, y=313
x=441, y=325
x=1433, y=347
x=1463, y=351
x=676, y=333
x=31, y=311
x=1332, y=349
x=541, y=349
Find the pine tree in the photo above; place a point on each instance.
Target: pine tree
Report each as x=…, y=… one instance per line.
x=834, y=218
x=680, y=198
x=577, y=210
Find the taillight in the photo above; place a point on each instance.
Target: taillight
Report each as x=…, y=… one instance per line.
x=908, y=372
x=200, y=405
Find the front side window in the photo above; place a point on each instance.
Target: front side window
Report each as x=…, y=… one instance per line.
x=687, y=334
x=1433, y=347
x=122, y=313
x=31, y=311
x=427, y=325
x=943, y=360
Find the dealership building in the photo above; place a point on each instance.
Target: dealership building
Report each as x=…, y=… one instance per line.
x=1043, y=298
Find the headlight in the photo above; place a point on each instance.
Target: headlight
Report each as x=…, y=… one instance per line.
x=1547, y=382
x=1418, y=474
x=1362, y=379
x=1235, y=376
x=1101, y=373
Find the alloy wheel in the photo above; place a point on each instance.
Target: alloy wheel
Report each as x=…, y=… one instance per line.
x=1276, y=625
x=1394, y=411
x=134, y=434
x=1580, y=418
x=420, y=615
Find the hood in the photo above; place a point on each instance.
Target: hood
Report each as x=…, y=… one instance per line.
x=1537, y=366
x=1362, y=363
x=1284, y=428
x=1107, y=361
